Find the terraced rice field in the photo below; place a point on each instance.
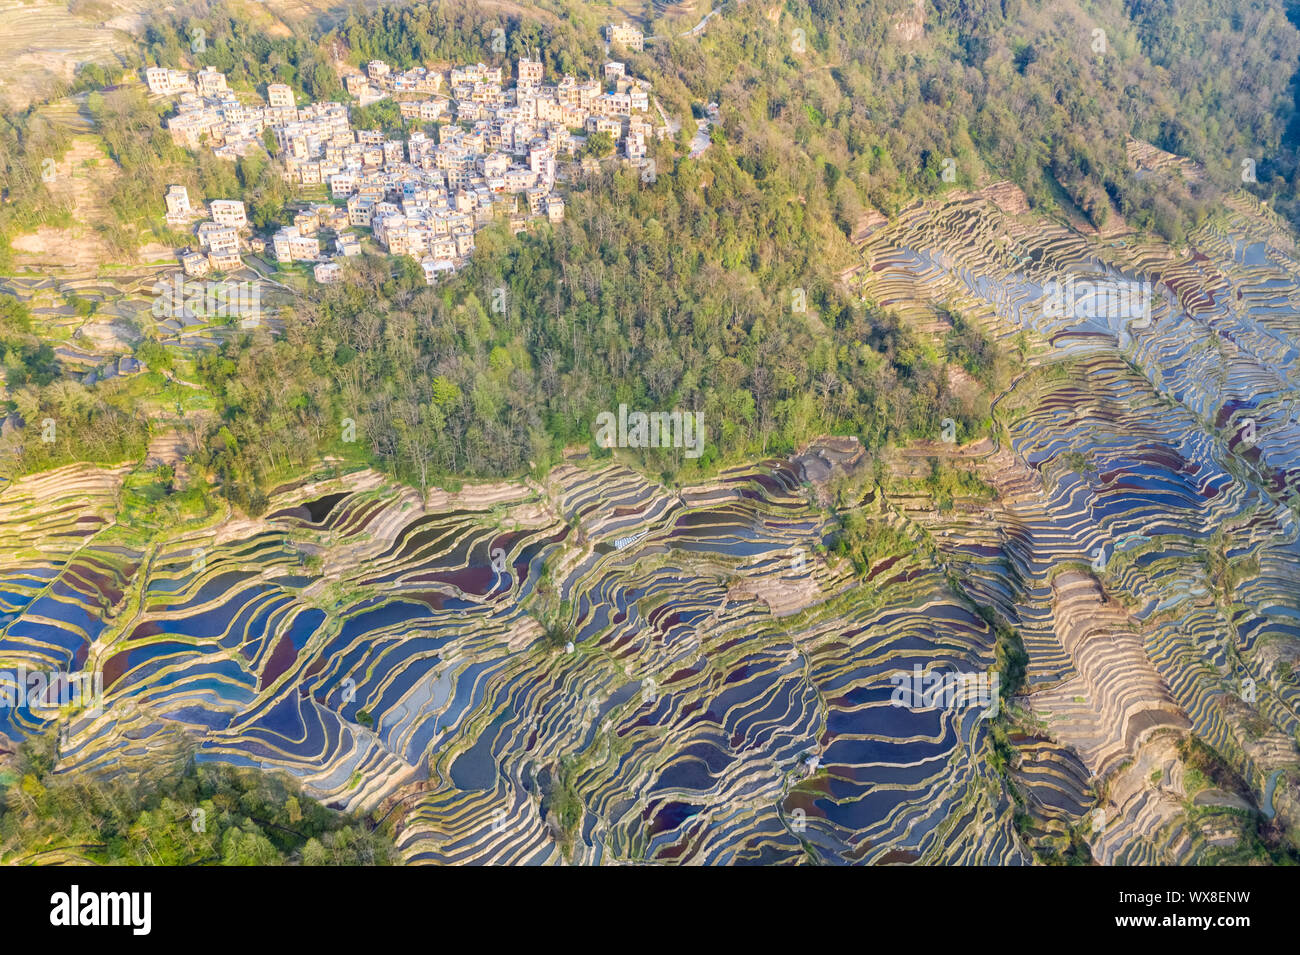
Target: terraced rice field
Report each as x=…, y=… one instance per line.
x=1145, y=539
x=123, y=313
x=43, y=42
x=724, y=699
x=597, y=669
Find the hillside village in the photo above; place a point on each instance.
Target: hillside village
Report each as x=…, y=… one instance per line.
x=494, y=152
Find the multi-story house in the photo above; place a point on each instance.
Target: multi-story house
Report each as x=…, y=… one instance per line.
x=228, y=212
x=494, y=165
x=292, y=247
x=178, y=205
x=306, y=223
x=605, y=124
x=332, y=217
x=210, y=82
x=218, y=238
x=190, y=129
x=529, y=73
x=394, y=151
x=356, y=84
x=625, y=35
x=426, y=111
x=279, y=95
x=195, y=264
x=225, y=261
x=360, y=210
x=536, y=201
x=343, y=184
x=327, y=273
x=164, y=82
x=305, y=248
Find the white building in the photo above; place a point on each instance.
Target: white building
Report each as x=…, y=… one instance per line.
x=436, y=267
x=179, y=210
x=164, y=82
x=225, y=261
x=210, y=82
x=279, y=95
x=530, y=72
x=291, y=247
x=327, y=273
x=228, y=212
x=218, y=238
x=625, y=35
x=195, y=263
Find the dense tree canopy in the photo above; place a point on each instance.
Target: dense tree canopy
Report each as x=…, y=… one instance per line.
x=180, y=813
x=715, y=287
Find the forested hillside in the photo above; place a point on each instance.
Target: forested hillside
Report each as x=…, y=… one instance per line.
x=185, y=814
x=689, y=291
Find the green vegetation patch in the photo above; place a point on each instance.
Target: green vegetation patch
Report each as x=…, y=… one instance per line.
x=184, y=813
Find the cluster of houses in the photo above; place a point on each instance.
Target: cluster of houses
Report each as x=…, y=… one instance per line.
x=225, y=234
x=625, y=35
x=209, y=111
x=222, y=236
x=483, y=148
